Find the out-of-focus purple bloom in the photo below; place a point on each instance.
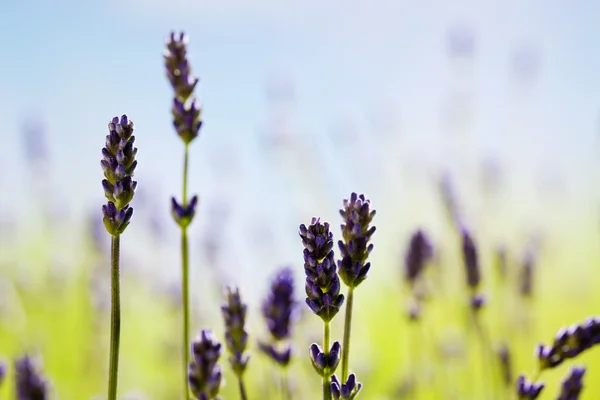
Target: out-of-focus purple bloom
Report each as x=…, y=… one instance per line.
x=2, y=372
x=471, y=260
x=204, y=372
x=461, y=41
x=572, y=385
x=569, y=343
x=355, y=248
x=278, y=309
x=505, y=364
x=419, y=252
x=30, y=385
x=527, y=390
x=236, y=337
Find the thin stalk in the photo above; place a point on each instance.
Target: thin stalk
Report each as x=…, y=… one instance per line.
x=285, y=386
x=488, y=362
x=347, y=328
x=242, y=388
x=327, y=378
x=115, y=318
x=185, y=297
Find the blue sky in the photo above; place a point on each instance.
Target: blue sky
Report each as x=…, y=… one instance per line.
x=350, y=66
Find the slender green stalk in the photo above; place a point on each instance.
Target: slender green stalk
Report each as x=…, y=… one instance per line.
x=487, y=356
x=115, y=318
x=347, y=328
x=327, y=378
x=242, y=389
x=185, y=281
x=285, y=386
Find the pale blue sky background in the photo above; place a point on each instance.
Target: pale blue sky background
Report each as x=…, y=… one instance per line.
x=374, y=73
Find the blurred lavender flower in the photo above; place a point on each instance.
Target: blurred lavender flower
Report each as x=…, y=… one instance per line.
x=419, y=252
x=345, y=391
x=526, y=277
x=118, y=164
x=569, y=343
x=461, y=41
x=472, y=269
x=527, y=390
x=35, y=141
x=30, y=385
x=236, y=338
x=2, y=372
x=356, y=233
x=183, y=214
x=204, y=372
x=322, y=281
x=278, y=310
x=572, y=384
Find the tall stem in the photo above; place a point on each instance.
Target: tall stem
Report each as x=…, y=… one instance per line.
x=115, y=318
x=242, y=389
x=326, y=379
x=185, y=282
x=486, y=350
x=347, y=328
x=285, y=385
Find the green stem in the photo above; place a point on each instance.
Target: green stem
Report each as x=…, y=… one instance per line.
x=347, y=328
x=115, y=318
x=285, y=386
x=486, y=349
x=326, y=379
x=242, y=389
x=185, y=282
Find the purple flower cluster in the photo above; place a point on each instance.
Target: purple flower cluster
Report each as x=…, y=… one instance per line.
x=278, y=309
x=236, y=337
x=30, y=385
x=204, y=372
x=118, y=164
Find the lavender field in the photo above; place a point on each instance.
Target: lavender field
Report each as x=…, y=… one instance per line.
x=298, y=201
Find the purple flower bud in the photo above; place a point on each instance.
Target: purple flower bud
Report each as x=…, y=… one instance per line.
x=572, y=385
x=184, y=214
x=527, y=390
x=346, y=391
x=30, y=385
x=418, y=254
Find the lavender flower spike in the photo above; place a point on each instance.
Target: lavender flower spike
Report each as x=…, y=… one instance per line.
x=236, y=337
x=357, y=233
x=118, y=164
x=322, y=282
x=323, y=295
x=204, y=372
x=186, y=112
x=527, y=390
x=572, y=385
x=278, y=309
x=30, y=385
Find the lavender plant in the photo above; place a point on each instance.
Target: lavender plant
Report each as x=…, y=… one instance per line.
x=236, y=337
x=527, y=390
x=419, y=252
x=323, y=295
x=572, y=385
x=118, y=164
x=278, y=311
x=204, y=372
x=353, y=266
x=29, y=383
x=187, y=122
